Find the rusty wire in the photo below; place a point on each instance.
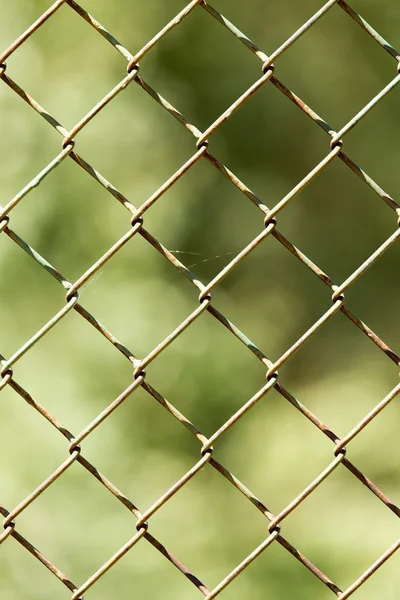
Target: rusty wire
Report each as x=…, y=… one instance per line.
x=268, y=228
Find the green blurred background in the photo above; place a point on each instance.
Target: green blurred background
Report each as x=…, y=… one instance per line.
x=206, y=373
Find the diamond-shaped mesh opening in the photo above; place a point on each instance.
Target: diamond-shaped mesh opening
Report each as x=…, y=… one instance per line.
x=151, y=306
x=99, y=528
x=269, y=144
x=76, y=400
x=338, y=221
x=345, y=91
x=70, y=92
x=204, y=245
x=232, y=528
x=270, y=432
x=189, y=83
x=171, y=451
x=135, y=142
x=271, y=280
x=70, y=219
x=342, y=526
x=230, y=374
x=340, y=346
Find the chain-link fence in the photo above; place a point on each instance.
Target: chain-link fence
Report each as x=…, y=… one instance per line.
x=268, y=228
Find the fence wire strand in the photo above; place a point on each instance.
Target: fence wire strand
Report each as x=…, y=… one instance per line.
x=336, y=302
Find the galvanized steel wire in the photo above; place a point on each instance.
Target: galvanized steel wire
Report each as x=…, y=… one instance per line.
x=74, y=449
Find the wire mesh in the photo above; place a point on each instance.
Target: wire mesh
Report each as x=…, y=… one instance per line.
x=75, y=447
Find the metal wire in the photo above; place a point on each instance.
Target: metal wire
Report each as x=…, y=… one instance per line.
x=74, y=451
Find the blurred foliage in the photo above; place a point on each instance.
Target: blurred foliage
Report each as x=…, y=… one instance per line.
x=206, y=373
